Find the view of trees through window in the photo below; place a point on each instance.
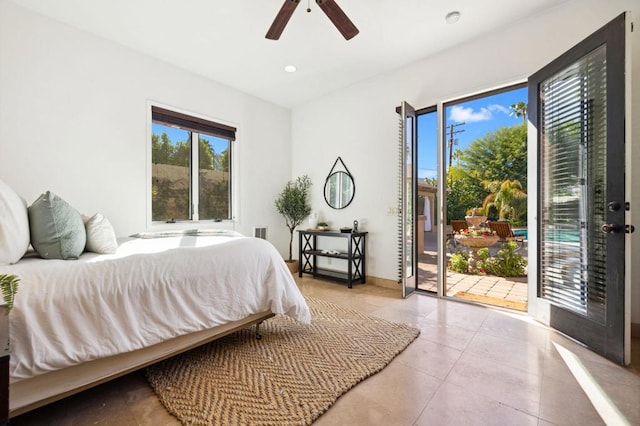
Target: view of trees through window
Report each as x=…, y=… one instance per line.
x=489, y=172
x=490, y=175
x=485, y=156
x=172, y=183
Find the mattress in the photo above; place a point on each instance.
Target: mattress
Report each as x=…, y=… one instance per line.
x=68, y=312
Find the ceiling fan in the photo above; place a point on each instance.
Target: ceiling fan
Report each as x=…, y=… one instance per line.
x=329, y=7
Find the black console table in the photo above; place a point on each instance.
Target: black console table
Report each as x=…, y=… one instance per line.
x=355, y=255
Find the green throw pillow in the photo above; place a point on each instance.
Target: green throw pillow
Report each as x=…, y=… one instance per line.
x=57, y=229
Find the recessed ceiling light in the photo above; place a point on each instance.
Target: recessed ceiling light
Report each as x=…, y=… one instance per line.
x=452, y=17
x=290, y=68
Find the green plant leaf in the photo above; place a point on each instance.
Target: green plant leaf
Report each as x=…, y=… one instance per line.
x=9, y=287
x=293, y=204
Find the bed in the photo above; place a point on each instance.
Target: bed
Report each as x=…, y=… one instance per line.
x=79, y=323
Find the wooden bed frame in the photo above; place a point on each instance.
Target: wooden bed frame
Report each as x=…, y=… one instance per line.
x=29, y=394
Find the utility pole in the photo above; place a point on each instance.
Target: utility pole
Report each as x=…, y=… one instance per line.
x=451, y=141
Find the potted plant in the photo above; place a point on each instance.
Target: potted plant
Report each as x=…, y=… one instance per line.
x=293, y=204
x=9, y=288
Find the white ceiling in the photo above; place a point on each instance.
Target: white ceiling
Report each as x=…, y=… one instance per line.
x=224, y=39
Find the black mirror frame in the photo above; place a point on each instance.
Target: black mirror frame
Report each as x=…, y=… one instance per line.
x=326, y=182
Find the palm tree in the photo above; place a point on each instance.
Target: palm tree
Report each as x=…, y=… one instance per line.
x=457, y=155
x=508, y=198
x=519, y=110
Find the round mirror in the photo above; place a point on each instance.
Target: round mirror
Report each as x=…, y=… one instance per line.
x=339, y=190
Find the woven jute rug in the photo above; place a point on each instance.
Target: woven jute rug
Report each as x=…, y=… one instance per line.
x=290, y=377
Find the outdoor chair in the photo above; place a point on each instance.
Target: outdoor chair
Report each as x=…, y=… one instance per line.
x=457, y=226
x=504, y=231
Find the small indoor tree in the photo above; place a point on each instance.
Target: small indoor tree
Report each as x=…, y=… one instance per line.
x=293, y=204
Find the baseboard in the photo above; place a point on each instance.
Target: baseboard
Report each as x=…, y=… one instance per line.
x=635, y=330
x=383, y=282
x=379, y=282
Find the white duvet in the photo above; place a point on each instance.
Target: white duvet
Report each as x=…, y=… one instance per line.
x=69, y=312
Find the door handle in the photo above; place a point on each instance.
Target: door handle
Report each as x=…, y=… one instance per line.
x=610, y=228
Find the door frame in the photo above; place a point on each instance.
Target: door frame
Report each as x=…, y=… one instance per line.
x=440, y=206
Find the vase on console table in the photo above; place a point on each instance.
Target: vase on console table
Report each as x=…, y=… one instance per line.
x=313, y=220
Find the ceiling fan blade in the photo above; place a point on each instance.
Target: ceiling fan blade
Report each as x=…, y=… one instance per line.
x=339, y=18
x=281, y=19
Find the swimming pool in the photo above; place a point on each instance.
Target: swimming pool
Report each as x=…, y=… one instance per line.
x=563, y=236
x=524, y=233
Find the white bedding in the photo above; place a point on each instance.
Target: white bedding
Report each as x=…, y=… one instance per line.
x=68, y=312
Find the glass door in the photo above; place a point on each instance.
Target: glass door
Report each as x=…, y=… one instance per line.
x=408, y=252
x=577, y=107
x=427, y=232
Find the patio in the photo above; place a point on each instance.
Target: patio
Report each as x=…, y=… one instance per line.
x=506, y=292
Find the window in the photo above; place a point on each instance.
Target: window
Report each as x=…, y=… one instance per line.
x=191, y=168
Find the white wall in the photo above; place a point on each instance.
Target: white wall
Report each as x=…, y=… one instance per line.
x=73, y=120
x=360, y=124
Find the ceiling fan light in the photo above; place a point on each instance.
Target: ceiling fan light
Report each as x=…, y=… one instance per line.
x=452, y=17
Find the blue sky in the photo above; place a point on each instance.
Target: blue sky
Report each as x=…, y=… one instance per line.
x=179, y=135
x=480, y=117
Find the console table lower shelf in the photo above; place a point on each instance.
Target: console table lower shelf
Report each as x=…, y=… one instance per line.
x=354, y=256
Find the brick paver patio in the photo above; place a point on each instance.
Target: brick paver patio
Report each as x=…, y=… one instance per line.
x=509, y=289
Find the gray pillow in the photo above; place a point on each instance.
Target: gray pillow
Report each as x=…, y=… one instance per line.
x=57, y=230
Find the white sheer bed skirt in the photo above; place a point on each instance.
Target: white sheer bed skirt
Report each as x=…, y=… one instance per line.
x=29, y=394
x=71, y=315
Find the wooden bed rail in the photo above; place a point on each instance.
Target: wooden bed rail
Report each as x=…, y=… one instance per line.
x=40, y=390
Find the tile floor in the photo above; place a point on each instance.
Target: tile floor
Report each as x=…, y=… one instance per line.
x=470, y=365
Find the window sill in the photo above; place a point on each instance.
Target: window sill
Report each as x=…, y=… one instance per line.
x=191, y=224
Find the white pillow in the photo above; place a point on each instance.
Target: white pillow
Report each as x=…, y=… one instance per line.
x=14, y=225
x=101, y=237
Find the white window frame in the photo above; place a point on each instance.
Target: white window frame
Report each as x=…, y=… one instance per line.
x=194, y=222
